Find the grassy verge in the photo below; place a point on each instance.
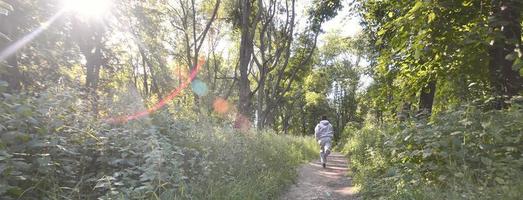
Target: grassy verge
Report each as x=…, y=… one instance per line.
x=468, y=153
x=52, y=148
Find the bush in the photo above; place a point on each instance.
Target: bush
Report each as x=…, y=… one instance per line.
x=52, y=147
x=468, y=153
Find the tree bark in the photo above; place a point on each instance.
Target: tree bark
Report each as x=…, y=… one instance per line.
x=246, y=47
x=427, y=98
x=145, y=63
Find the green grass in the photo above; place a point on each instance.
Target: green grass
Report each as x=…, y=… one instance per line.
x=262, y=165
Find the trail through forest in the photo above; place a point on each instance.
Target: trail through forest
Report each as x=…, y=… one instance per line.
x=316, y=183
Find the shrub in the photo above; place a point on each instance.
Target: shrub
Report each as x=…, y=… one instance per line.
x=52, y=146
x=468, y=153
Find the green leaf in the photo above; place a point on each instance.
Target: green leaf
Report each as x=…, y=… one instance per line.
x=382, y=31
x=518, y=64
x=24, y=111
x=168, y=194
x=467, y=3
x=465, y=122
x=21, y=165
x=485, y=124
x=486, y=161
x=431, y=17
x=14, y=191
x=427, y=153
x=416, y=6
x=408, y=137
x=510, y=56
x=455, y=133
x=4, y=155
x=499, y=180
x=20, y=178
x=391, y=14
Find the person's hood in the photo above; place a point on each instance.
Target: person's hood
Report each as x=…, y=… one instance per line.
x=324, y=122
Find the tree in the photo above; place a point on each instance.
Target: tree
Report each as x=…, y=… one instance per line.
x=505, y=48
x=435, y=52
x=188, y=21
x=247, y=25
x=339, y=57
x=270, y=56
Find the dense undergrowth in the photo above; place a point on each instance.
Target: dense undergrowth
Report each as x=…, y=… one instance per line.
x=52, y=149
x=468, y=153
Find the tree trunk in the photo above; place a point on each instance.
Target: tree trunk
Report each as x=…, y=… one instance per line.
x=285, y=122
x=404, y=113
x=93, y=65
x=261, y=112
x=506, y=28
x=94, y=61
x=246, y=45
x=427, y=98
x=145, y=81
x=89, y=40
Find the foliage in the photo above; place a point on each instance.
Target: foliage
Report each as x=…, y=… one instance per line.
x=468, y=153
x=323, y=10
x=52, y=147
x=329, y=88
x=415, y=43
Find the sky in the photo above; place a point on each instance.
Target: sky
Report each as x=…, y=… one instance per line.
x=348, y=25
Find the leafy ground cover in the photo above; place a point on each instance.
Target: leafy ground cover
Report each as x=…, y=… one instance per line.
x=468, y=153
x=49, y=148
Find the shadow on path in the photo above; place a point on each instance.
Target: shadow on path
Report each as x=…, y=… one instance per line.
x=317, y=183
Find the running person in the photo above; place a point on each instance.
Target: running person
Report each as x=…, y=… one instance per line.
x=324, y=134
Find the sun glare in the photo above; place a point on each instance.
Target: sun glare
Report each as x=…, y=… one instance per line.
x=88, y=8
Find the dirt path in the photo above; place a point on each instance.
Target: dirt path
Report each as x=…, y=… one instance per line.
x=316, y=183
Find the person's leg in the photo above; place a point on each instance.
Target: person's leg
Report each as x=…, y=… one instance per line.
x=327, y=147
x=322, y=152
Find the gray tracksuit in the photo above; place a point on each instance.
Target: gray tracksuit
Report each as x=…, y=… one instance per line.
x=324, y=133
x=323, y=130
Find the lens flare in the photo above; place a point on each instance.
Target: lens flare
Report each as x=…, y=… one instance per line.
x=242, y=123
x=13, y=48
x=175, y=92
x=199, y=87
x=220, y=105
